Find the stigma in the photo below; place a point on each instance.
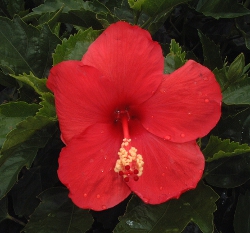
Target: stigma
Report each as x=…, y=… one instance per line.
x=130, y=163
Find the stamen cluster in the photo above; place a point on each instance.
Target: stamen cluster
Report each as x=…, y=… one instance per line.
x=129, y=164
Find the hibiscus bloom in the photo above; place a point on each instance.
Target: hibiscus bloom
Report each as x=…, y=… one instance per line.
x=126, y=126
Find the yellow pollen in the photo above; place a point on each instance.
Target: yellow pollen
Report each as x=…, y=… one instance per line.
x=130, y=164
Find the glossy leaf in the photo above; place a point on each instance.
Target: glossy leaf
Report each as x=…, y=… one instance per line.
x=197, y=205
x=55, y=5
x=222, y=9
x=56, y=213
x=236, y=68
x=242, y=213
x=211, y=52
x=74, y=47
x=24, y=48
x=175, y=59
x=39, y=85
x=218, y=148
x=48, y=106
x=237, y=95
x=20, y=148
x=153, y=8
x=75, y=12
x=228, y=172
x=11, y=114
x=136, y=5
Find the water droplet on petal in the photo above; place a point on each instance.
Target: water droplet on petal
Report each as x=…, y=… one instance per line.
x=152, y=116
x=189, y=113
x=104, y=207
x=183, y=135
x=102, y=131
x=205, y=78
x=167, y=137
x=206, y=100
x=161, y=188
x=163, y=174
x=200, y=171
x=147, y=128
x=162, y=90
x=85, y=195
x=102, y=170
x=98, y=196
x=145, y=200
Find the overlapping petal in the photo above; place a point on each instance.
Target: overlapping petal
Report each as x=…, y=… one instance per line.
x=129, y=57
x=83, y=96
x=169, y=168
x=186, y=106
x=86, y=167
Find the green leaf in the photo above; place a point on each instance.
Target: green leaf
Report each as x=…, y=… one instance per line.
x=74, y=47
x=57, y=213
x=55, y=5
x=242, y=214
x=218, y=148
x=11, y=114
x=221, y=76
x=236, y=68
x=48, y=106
x=158, y=22
x=39, y=85
x=237, y=95
x=15, y=6
x=3, y=209
x=136, y=4
x=229, y=172
x=24, y=193
x=211, y=52
x=221, y=9
x=172, y=216
x=21, y=146
x=175, y=59
x=153, y=8
x=74, y=12
x=24, y=48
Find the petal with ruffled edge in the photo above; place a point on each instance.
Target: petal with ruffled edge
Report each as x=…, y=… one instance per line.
x=187, y=104
x=83, y=96
x=128, y=55
x=86, y=167
x=169, y=168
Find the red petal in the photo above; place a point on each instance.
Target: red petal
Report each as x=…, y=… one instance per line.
x=82, y=95
x=186, y=106
x=86, y=167
x=128, y=56
x=169, y=168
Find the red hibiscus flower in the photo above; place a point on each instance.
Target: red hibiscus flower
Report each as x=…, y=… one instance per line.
x=128, y=127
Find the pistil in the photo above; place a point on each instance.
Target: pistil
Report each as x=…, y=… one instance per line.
x=130, y=163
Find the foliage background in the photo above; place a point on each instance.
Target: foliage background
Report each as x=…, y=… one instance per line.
x=36, y=34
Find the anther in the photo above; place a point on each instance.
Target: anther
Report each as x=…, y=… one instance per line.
x=127, y=167
x=126, y=179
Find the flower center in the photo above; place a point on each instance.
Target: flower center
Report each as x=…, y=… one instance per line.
x=130, y=163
